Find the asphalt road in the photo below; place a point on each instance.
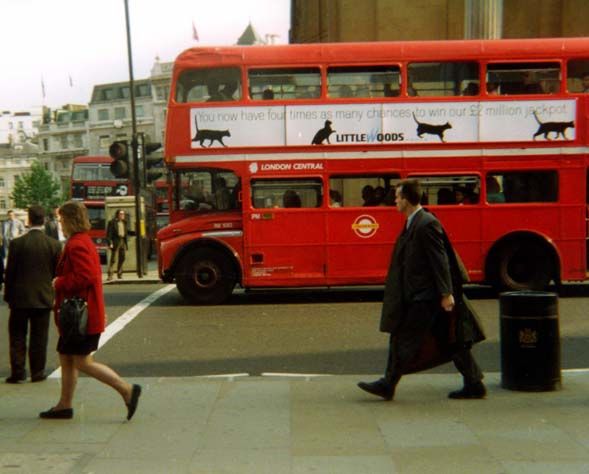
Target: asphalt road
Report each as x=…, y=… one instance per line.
x=309, y=332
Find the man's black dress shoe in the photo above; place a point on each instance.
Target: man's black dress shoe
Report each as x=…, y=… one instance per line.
x=473, y=391
x=51, y=414
x=13, y=379
x=132, y=405
x=379, y=388
x=38, y=378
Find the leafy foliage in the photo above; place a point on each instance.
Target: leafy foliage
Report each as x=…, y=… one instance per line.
x=36, y=187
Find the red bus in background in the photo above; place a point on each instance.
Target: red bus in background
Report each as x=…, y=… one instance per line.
x=285, y=160
x=91, y=182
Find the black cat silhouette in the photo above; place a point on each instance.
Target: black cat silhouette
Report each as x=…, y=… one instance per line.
x=323, y=134
x=559, y=128
x=211, y=135
x=431, y=129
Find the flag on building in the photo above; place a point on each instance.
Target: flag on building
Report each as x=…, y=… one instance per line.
x=42, y=87
x=194, y=32
x=71, y=81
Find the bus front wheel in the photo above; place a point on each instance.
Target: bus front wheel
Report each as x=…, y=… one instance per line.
x=205, y=276
x=524, y=266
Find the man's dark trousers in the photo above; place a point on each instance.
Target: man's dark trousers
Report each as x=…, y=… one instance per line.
x=404, y=347
x=18, y=323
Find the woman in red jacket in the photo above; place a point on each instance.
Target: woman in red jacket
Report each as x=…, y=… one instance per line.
x=79, y=274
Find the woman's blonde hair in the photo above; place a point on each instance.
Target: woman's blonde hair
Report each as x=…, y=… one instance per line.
x=75, y=216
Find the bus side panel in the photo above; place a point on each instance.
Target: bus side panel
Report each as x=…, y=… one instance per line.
x=284, y=247
x=360, y=243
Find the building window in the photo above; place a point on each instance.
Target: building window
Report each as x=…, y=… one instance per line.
x=120, y=113
x=63, y=141
x=104, y=141
x=2, y=204
x=108, y=94
x=1, y=182
x=78, y=140
x=139, y=111
x=103, y=114
x=45, y=144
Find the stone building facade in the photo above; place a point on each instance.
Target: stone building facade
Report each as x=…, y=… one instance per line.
x=321, y=21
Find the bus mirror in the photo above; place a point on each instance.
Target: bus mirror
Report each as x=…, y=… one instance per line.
x=119, y=152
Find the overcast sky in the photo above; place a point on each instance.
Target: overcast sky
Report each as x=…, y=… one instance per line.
x=85, y=40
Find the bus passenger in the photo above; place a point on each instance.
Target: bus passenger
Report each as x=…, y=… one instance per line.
x=222, y=194
x=585, y=81
x=472, y=88
x=493, y=88
x=494, y=193
x=368, y=195
x=379, y=194
x=213, y=91
x=291, y=199
x=446, y=196
x=268, y=94
x=228, y=91
x=335, y=198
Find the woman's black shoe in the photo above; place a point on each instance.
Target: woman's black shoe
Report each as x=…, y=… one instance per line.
x=132, y=405
x=51, y=414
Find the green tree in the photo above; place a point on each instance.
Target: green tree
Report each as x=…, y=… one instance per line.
x=36, y=187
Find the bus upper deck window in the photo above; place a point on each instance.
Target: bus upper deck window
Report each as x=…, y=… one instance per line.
x=523, y=78
x=363, y=81
x=443, y=79
x=284, y=83
x=209, y=85
x=578, y=76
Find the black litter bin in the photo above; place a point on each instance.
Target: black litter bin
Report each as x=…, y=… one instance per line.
x=530, y=341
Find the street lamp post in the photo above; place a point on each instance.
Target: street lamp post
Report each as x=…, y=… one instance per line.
x=134, y=147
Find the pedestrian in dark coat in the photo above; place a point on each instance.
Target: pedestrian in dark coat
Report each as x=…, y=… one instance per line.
x=32, y=260
x=116, y=234
x=424, y=309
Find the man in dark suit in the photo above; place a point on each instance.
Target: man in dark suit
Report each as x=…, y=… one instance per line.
x=424, y=309
x=116, y=235
x=53, y=226
x=30, y=268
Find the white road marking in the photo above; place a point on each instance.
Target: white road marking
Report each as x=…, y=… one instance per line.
x=128, y=316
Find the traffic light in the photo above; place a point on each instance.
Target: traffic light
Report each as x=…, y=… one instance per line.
x=119, y=152
x=154, y=164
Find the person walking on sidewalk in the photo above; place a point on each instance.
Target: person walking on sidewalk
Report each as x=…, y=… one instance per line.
x=30, y=268
x=11, y=229
x=78, y=274
x=424, y=310
x=116, y=235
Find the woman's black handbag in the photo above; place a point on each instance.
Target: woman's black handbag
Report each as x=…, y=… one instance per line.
x=73, y=319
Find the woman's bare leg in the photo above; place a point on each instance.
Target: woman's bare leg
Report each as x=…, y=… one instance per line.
x=69, y=379
x=103, y=373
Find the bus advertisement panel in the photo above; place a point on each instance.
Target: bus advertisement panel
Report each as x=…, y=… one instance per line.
x=285, y=161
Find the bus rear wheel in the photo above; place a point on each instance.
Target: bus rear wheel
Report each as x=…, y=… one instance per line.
x=524, y=266
x=205, y=276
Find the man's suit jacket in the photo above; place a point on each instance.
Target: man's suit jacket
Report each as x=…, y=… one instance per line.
x=30, y=268
x=51, y=228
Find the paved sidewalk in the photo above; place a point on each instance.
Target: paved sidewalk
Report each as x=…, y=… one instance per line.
x=297, y=425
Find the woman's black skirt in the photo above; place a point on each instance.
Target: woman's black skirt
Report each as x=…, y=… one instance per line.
x=84, y=347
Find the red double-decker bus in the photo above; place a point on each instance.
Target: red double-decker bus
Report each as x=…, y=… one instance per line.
x=92, y=181
x=285, y=160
